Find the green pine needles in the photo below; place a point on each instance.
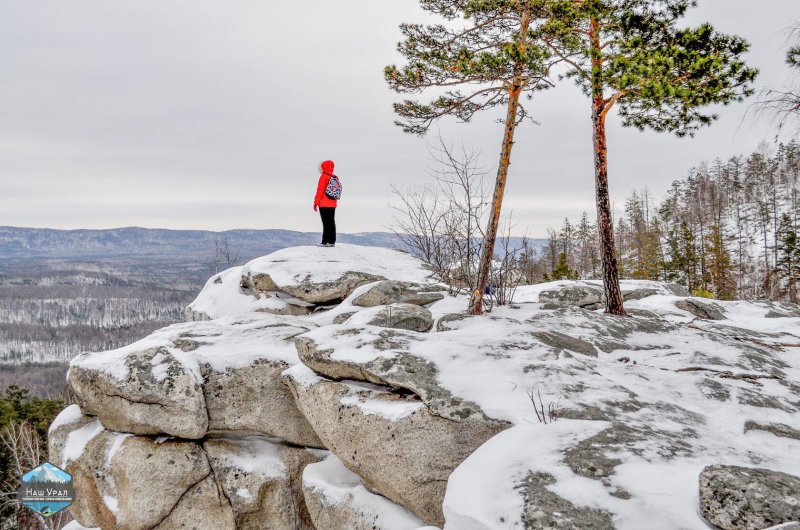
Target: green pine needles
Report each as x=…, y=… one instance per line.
x=628, y=54
x=477, y=57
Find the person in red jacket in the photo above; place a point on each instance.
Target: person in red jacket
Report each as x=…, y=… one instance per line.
x=326, y=204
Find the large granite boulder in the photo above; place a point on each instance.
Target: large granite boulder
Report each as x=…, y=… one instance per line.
x=202, y=506
x=337, y=499
x=743, y=498
x=387, y=438
x=704, y=310
x=175, y=467
x=141, y=391
x=125, y=481
x=189, y=379
x=262, y=479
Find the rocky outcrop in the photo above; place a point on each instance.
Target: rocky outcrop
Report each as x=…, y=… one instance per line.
x=742, y=498
x=137, y=482
x=387, y=438
x=192, y=379
x=331, y=388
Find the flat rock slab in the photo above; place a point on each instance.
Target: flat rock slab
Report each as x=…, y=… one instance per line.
x=394, y=292
x=545, y=509
x=337, y=499
x=742, y=498
x=388, y=439
x=398, y=369
x=398, y=316
x=704, y=310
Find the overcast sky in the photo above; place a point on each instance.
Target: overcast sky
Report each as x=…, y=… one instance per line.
x=215, y=115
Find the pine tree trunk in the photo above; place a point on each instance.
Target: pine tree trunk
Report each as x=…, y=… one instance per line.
x=605, y=223
x=485, y=267
x=476, y=303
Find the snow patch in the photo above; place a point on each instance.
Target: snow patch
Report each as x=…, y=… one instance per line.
x=337, y=485
x=77, y=441
x=71, y=414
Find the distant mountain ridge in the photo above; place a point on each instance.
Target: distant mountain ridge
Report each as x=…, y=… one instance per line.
x=26, y=243
x=129, y=242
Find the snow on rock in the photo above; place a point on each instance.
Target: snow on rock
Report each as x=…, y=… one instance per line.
x=69, y=415
x=390, y=440
x=674, y=394
x=431, y=427
x=337, y=499
x=261, y=478
x=187, y=379
x=318, y=275
x=75, y=525
x=500, y=470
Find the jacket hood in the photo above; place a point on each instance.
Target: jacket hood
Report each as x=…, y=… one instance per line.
x=327, y=166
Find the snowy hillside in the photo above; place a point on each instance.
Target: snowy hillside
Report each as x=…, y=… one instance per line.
x=340, y=388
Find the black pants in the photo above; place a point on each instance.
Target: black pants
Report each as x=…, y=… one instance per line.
x=328, y=225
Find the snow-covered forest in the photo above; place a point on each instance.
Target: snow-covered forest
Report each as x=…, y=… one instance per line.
x=53, y=312
x=727, y=230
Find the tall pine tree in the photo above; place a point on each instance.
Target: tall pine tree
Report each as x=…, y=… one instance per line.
x=632, y=55
x=491, y=60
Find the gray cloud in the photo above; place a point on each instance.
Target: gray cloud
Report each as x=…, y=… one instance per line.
x=207, y=114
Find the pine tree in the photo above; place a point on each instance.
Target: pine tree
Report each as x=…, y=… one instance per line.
x=720, y=265
x=562, y=270
x=631, y=54
x=491, y=61
x=789, y=262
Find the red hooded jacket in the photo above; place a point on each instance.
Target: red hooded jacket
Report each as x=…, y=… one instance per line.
x=320, y=199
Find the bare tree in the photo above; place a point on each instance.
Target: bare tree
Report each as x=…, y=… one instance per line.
x=223, y=256
x=443, y=223
x=782, y=106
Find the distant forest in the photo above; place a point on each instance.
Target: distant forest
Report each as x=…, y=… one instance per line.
x=728, y=230
x=51, y=311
